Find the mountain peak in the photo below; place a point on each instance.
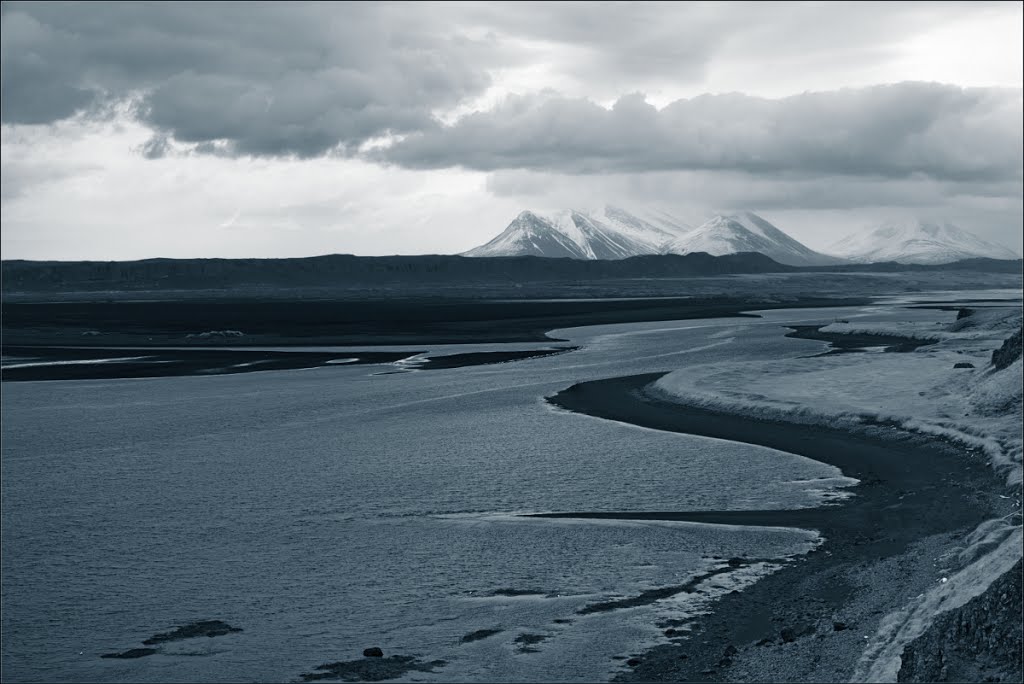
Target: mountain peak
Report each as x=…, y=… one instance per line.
x=745, y=231
x=917, y=241
x=606, y=233
x=616, y=233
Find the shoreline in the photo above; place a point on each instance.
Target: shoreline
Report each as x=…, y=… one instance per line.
x=63, y=363
x=810, y=620
x=104, y=340
x=356, y=322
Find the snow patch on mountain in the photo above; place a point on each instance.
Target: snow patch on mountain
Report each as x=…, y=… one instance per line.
x=607, y=233
x=530, y=234
x=917, y=242
x=747, y=232
x=615, y=233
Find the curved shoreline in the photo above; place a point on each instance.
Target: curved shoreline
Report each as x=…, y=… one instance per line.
x=910, y=489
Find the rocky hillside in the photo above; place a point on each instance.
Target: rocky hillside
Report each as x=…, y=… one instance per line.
x=1009, y=352
x=979, y=642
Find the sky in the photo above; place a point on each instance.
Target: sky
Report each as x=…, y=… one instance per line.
x=178, y=129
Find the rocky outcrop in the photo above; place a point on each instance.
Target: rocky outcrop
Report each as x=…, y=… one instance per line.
x=1009, y=352
x=203, y=628
x=131, y=653
x=479, y=634
x=979, y=642
x=371, y=669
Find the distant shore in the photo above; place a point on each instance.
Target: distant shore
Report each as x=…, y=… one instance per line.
x=811, y=620
x=358, y=321
x=136, y=339
x=125, y=338
x=31, y=364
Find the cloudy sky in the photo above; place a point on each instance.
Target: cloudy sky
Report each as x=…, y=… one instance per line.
x=281, y=129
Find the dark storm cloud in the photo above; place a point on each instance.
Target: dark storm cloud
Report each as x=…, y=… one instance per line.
x=896, y=130
x=263, y=78
x=283, y=79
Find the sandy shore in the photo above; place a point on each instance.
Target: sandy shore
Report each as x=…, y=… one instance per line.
x=811, y=620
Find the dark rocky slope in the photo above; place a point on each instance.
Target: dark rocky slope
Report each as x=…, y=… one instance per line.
x=1009, y=352
x=979, y=642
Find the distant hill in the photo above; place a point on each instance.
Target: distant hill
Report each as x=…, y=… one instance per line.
x=347, y=270
x=342, y=270
x=917, y=242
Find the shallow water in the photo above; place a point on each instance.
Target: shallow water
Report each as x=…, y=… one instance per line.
x=327, y=510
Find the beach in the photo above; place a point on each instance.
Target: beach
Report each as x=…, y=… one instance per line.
x=811, y=621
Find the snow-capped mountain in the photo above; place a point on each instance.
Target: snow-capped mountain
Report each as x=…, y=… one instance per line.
x=610, y=233
x=917, y=242
x=747, y=232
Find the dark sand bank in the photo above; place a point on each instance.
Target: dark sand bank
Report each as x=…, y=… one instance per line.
x=847, y=342
x=482, y=358
x=371, y=669
x=63, y=363
x=811, y=620
x=279, y=322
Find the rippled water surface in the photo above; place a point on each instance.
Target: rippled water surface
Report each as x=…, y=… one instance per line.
x=327, y=510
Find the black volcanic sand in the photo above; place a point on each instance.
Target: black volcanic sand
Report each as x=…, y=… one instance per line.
x=203, y=628
x=481, y=358
x=809, y=620
x=131, y=653
x=393, y=321
x=480, y=634
x=848, y=342
x=156, y=363
x=153, y=363
x=60, y=331
x=371, y=669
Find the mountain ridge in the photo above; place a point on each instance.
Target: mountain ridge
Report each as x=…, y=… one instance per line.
x=610, y=233
x=917, y=242
x=615, y=233
x=747, y=232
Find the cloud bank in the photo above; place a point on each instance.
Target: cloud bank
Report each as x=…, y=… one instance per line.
x=386, y=126
x=308, y=80
x=267, y=79
x=944, y=132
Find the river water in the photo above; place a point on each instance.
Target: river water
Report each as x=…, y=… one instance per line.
x=327, y=510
